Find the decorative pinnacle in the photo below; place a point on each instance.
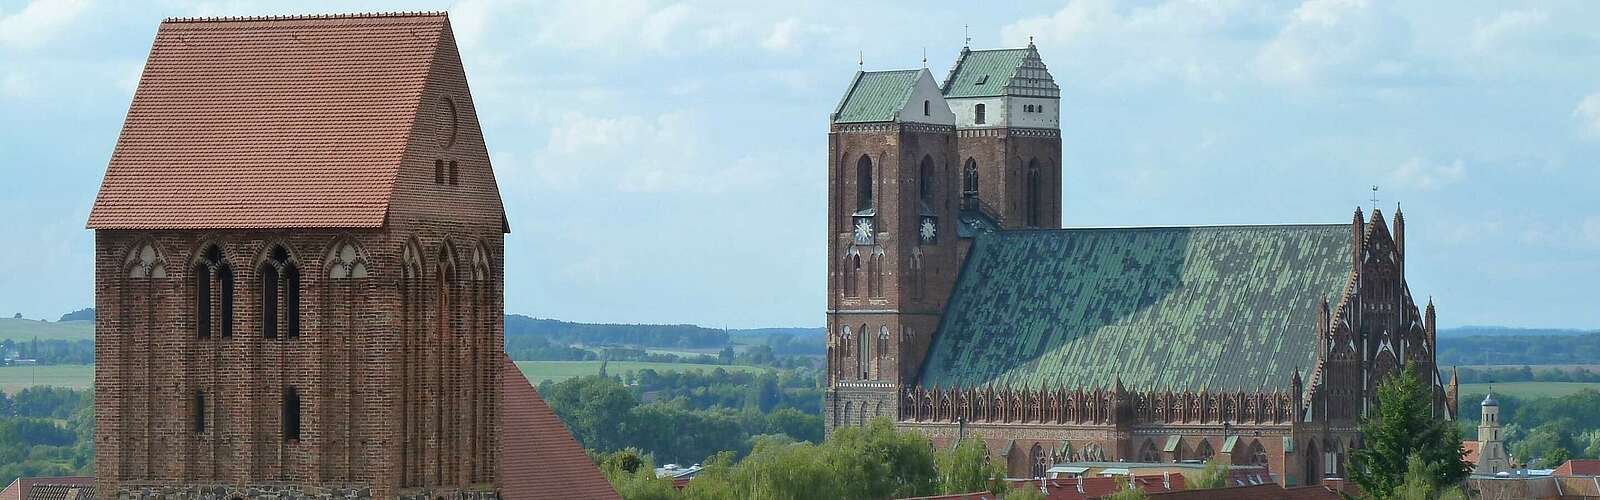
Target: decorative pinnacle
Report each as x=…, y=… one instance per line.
x=966, y=36
x=861, y=60
x=1030, y=40
x=924, y=58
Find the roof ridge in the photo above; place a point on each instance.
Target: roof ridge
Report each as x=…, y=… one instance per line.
x=305, y=17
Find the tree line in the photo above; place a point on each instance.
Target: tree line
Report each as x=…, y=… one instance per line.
x=1543, y=432
x=46, y=431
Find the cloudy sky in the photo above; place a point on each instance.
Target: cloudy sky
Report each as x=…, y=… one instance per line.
x=665, y=161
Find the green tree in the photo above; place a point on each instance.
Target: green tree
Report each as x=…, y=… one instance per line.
x=1215, y=475
x=1402, y=425
x=1124, y=492
x=966, y=468
x=638, y=484
x=1419, y=483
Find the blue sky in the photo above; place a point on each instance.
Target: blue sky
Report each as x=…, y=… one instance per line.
x=665, y=162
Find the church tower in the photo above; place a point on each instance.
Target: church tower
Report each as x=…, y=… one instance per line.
x=891, y=245
x=1008, y=121
x=1492, y=457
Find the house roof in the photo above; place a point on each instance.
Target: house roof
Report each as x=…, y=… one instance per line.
x=539, y=457
x=269, y=122
x=1579, y=468
x=1266, y=491
x=876, y=96
x=1471, y=449
x=1214, y=307
x=997, y=72
x=50, y=488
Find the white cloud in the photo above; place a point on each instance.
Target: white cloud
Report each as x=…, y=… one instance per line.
x=1588, y=115
x=789, y=33
x=640, y=154
x=1506, y=25
x=1322, y=37
x=38, y=22
x=1425, y=176
x=1183, y=40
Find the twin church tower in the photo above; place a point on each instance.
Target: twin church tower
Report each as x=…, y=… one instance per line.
x=918, y=168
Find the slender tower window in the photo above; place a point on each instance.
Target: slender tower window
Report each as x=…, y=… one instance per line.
x=199, y=411
x=1034, y=213
x=969, y=184
x=202, y=300
x=280, y=289
x=978, y=114
x=925, y=181
x=212, y=272
x=438, y=171
x=863, y=183
x=863, y=343
x=926, y=108
x=453, y=173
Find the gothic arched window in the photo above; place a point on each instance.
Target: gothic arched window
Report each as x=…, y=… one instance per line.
x=863, y=346
x=852, y=272
x=1034, y=214
x=1149, y=452
x=875, y=270
x=481, y=270
x=280, y=294
x=863, y=183
x=212, y=272
x=1037, y=461
x=969, y=183
x=978, y=114
x=1258, y=454
x=1203, y=450
x=926, y=107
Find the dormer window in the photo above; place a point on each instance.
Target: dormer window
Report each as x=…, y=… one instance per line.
x=982, y=79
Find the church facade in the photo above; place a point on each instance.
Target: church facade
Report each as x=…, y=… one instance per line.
x=959, y=306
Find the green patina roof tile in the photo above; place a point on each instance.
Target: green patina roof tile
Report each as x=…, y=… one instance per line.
x=1220, y=308
x=876, y=96
x=993, y=68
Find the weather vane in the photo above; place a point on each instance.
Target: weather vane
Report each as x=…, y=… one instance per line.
x=1374, y=196
x=966, y=36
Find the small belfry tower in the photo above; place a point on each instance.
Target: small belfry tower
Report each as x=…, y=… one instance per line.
x=1492, y=457
x=892, y=202
x=1008, y=121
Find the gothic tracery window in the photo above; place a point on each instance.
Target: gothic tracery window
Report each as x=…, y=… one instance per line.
x=969, y=184
x=1037, y=461
x=146, y=262
x=212, y=272
x=481, y=271
x=280, y=294
x=347, y=261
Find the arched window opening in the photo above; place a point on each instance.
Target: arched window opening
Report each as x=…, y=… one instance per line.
x=917, y=278
x=848, y=408
x=1312, y=473
x=925, y=182
x=202, y=300
x=852, y=273
x=863, y=183
x=1203, y=451
x=1258, y=454
x=978, y=114
x=453, y=178
x=863, y=346
x=875, y=287
x=146, y=262
x=212, y=273
x=291, y=414
x=480, y=264
x=1037, y=461
x=1149, y=453
x=926, y=108
x=348, y=261
x=225, y=278
x=969, y=184
x=1180, y=453
x=1035, y=212
x=280, y=295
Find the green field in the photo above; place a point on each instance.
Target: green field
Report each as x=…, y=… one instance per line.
x=539, y=371
x=27, y=329
x=1531, y=390
x=15, y=378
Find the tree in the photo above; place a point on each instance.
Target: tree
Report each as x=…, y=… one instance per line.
x=1419, y=484
x=1026, y=492
x=1125, y=492
x=1403, y=425
x=966, y=468
x=1215, y=475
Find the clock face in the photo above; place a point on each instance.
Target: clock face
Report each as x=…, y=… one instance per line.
x=927, y=230
x=863, y=231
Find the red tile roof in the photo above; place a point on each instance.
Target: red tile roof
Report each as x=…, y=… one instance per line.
x=269, y=122
x=1471, y=448
x=539, y=458
x=1267, y=491
x=1579, y=468
x=1069, y=489
x=49, y=488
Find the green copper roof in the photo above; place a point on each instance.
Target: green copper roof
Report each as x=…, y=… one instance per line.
x=876, y=96
x=1216, y=308
x=993, y=68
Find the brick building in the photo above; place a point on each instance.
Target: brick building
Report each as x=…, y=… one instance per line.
x=299, y=275
x=958, y=306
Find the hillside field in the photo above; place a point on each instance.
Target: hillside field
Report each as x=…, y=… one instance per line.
x=15, y=378
x=539, y=371
x=26, y=329
x=1530, y=390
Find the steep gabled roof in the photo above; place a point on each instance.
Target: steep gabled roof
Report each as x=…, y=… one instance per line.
x=997, y=72
x=1215, y=308
x=269, y=122
x=539, y=458
x=876, y=96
